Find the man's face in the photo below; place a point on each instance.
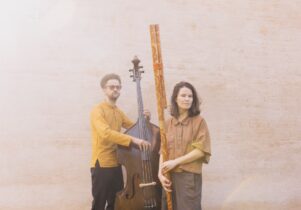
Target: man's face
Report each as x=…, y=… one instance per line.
x=112, y=89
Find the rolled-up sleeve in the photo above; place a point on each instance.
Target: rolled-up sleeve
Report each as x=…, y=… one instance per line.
x=202, y=140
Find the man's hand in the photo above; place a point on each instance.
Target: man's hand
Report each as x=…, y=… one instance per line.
x=147, y=114
x=142, y=144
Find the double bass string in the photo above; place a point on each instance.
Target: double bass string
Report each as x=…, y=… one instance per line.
x=141, y=130
x=146, y=165
x=142, y=155
x=144, y=159
x=147, y=176
x=150, y=189
x=146, y=169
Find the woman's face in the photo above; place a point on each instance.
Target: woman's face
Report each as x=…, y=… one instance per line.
x=184, y=99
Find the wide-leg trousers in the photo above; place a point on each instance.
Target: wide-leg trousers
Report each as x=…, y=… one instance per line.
x=186, y=191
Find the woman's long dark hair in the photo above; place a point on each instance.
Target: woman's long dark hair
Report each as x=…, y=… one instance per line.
x=194, y=110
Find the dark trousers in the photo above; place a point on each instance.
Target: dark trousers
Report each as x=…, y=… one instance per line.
x=106, y=182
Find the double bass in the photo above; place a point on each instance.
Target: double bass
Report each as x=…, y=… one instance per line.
x=142, y=189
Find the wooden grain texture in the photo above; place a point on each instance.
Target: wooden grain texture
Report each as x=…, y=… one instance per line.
x=160, y=96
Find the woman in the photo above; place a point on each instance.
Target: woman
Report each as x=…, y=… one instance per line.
x=188, y=147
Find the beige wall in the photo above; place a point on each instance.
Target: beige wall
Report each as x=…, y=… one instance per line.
x=242, y=55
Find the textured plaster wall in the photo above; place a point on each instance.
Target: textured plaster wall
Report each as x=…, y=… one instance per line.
x=243, y=56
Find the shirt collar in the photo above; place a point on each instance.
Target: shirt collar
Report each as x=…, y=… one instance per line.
x=176, y=122
x=107, y=104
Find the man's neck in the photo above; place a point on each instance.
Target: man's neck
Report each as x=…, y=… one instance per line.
x=111, y=102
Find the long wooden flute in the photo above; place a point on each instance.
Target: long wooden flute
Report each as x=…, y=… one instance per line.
x=161, y=95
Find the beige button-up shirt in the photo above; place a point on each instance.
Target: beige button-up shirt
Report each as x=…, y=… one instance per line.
x=183, y=137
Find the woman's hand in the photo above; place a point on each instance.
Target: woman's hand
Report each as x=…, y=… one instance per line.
x=169, y=165
x=166, y=183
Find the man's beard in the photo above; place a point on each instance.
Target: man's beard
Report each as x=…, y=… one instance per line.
x=114, y=97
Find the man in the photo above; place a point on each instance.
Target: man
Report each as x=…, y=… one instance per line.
x=106, y=122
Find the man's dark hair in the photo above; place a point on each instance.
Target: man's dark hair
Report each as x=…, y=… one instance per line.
x=108, y=77
x=195, y=107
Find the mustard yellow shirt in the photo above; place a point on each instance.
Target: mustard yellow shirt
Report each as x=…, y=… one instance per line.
x=106, y=124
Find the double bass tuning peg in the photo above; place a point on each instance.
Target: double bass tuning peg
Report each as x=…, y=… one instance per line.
x=140, y=67
x=132, y=76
